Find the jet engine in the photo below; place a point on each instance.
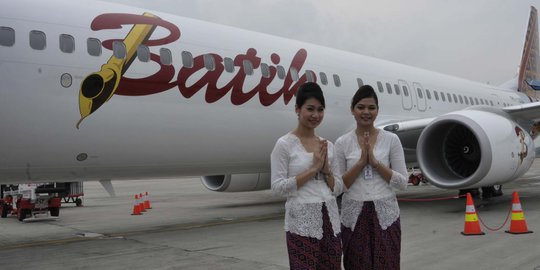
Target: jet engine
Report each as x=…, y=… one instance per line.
x=472, y=148
x=237, y=182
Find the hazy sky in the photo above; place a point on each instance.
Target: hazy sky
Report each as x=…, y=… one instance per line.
x=480, y=40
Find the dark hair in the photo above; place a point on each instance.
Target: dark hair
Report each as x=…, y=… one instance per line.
x=365, y=91
x=309, y=90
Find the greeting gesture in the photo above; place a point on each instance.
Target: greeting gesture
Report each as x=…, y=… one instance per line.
x=320, y=157
x=367, y=156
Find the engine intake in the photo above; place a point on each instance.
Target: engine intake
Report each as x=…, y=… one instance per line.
x=473, y=148
x=237, y=182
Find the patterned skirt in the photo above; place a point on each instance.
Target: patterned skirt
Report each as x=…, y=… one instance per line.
x=307, y=253
x=369, y=246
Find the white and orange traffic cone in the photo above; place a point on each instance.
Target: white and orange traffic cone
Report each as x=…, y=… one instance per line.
x=136, y=207
x=146, y=201
x=518, y=225
x=141, y=203
x=472, y=226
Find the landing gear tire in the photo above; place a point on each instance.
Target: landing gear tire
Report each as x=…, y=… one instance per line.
x=4, y=210
x=475, y=192
x=55, y=211
x=492, y=191
x=78, y=202
x=22, y=213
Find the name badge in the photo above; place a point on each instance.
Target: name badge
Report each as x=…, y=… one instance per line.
x=368, y=172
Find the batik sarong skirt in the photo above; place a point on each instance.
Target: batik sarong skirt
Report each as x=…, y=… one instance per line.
x=307, y=253
x=369, y=246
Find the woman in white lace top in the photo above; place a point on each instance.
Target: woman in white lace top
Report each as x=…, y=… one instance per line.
x=372, y=164
x=304, y=170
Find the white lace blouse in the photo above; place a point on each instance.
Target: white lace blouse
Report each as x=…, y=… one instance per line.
x=388, y=151
x=303, y=209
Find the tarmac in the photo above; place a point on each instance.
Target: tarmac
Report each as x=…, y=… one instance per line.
x=190, y=227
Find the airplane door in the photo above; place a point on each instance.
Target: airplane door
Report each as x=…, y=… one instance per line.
x=421, y=98
x=406, y=95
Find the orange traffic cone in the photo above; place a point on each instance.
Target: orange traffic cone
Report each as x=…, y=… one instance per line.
x=472, y=226
x=136, y=207
x=141, y=203
x=146, y=202
x=518, y=225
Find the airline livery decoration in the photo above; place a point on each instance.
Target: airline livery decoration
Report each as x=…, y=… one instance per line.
x=97, y=88
x=523, y=151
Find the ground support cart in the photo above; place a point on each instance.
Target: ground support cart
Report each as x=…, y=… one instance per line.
x=29, y=202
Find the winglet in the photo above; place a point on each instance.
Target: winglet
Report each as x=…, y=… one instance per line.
x=530, y=60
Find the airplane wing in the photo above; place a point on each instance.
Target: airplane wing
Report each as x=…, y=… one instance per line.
x=529, y=111
x=408, y=133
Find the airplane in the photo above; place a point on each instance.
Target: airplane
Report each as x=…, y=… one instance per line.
x=98, y=91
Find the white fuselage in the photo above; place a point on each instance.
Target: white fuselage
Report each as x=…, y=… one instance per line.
x=177, y=132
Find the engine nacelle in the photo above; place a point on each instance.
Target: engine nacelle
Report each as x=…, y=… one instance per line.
x=471, y=148
x=237, y=182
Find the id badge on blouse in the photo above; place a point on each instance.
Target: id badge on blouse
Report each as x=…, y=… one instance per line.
x=368, y=172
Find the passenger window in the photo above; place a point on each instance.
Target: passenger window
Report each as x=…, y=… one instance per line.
x=38, y=40
x=281, y=72
x=165, y=56
x=265, y=70
x=119, y=49
x=428, y=94
x=294, y=74
x=461, y=99
x=310, y=76
x=187, y=59
x=396, y=88
x=455, y=98
x=380, y=87
x=476, y=101
x=405, y=91
x=359, y=82
x=443, y=97
x=248, y=67
x=482, y=101
x=419, y=93
x=491, y=102
x=389, y=88
x=471, y=100
x=436, y=95
x=67, y=43
x=143, y=53
x=449, y=97
x=7, y=36
x=229, y=64
x=324, y=80
x=93, y=46
x=209, y=62
x=337, y=81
